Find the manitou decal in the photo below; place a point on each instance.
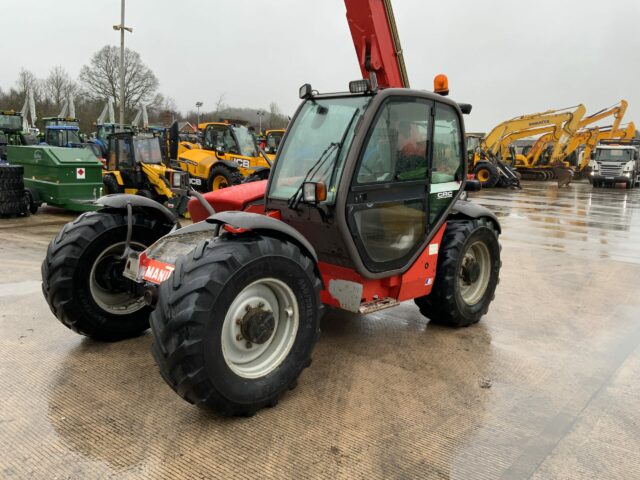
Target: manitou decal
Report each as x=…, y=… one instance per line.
x=157, y=272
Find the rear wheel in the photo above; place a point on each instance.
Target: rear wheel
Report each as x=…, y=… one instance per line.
x=236, y=323
x=487, y=174
x=466, y=276
x=82, y=275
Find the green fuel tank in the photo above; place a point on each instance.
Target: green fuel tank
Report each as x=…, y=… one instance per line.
x=69, y=178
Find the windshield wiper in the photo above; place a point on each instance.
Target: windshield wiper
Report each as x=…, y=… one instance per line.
x=294, y=201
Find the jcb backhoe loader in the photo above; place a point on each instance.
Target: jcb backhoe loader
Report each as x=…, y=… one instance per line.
x=135, y=166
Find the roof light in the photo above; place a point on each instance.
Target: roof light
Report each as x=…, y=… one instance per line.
x=441, y=85
x=359, y=86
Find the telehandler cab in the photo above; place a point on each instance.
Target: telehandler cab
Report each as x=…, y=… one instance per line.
x=361, y=212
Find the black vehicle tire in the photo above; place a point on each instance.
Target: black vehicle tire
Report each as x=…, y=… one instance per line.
x=487, y=174
x=77, y=284
x=111, y=185
x=11, y=172
x=446, y=304
x=145, y=193
x=222, y=176
x=32, y=203
x=194, y=320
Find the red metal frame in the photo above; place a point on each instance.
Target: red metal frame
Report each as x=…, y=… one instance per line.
x=371, y=30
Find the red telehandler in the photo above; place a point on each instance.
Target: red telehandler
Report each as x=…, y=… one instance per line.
x=363, y=210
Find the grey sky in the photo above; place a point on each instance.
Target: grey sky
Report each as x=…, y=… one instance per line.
x=504, y=57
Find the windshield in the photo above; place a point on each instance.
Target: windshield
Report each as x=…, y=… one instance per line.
x=246, y=141
x=319, y=123
x=273, y=139
x=615, y=155
x=10, y=122
x=62, y=137
x=147, y=150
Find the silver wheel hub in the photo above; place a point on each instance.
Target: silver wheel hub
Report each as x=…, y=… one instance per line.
x=108, y=287
x=475, y=272
x=260, y=328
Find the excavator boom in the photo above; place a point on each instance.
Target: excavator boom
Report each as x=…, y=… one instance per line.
x=376, y=40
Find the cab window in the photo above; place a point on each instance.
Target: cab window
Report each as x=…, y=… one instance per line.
x=448, y=160
x=397, y=147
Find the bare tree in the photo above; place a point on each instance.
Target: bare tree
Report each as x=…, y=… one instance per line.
x=220, y=104
x=102, y=76
x=27, y=80
x=58, y=86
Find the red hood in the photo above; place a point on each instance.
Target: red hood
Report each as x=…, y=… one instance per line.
x=237, y=197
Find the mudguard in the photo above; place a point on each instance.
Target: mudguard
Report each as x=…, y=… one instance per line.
x=121, y=200
x=261, y=172
x=261, y=223
x=227, y=163
x=466, y=209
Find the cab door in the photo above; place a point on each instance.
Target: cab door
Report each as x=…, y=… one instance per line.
x=408, y=174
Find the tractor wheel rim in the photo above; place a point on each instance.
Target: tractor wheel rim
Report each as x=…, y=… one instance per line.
x=267, y=312
x=115, y=303
x=220, y=182
x=477, y=260
x=483, y=175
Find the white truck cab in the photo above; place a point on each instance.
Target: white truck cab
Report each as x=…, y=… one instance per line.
x=619, y=163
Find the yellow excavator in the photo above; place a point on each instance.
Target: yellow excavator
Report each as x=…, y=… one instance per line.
x=585, y=141
x=229, y=155
x=552, y=149
x=488, y=166
x=563, y=125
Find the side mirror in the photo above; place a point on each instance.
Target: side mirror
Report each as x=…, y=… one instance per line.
x=465, y=108
x=472, y=186
x=314, y=192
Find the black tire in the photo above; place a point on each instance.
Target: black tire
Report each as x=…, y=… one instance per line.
x=222, y=173
x=188, y=321
x=111, y=185
x=32, y=203
x=13, y=208
x=487, y=174
x=445, y=304
x=11, y=171
x=145, y=193
x=66, y=272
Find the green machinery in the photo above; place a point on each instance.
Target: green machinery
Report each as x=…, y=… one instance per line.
x=69, y=178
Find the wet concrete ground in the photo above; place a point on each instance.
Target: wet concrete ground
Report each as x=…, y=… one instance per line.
x=545, y=386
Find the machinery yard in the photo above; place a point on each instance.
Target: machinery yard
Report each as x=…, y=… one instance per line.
x=545, y=386
x=384, y=278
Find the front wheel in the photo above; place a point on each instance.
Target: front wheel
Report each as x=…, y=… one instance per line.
x=236, y=323
x=487, y=174
x=82, y=277
x=467, y=274
x=222, y=176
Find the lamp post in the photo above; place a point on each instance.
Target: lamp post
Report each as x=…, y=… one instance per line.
x=260, y=114
x=198, y=105
x=122, y=28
